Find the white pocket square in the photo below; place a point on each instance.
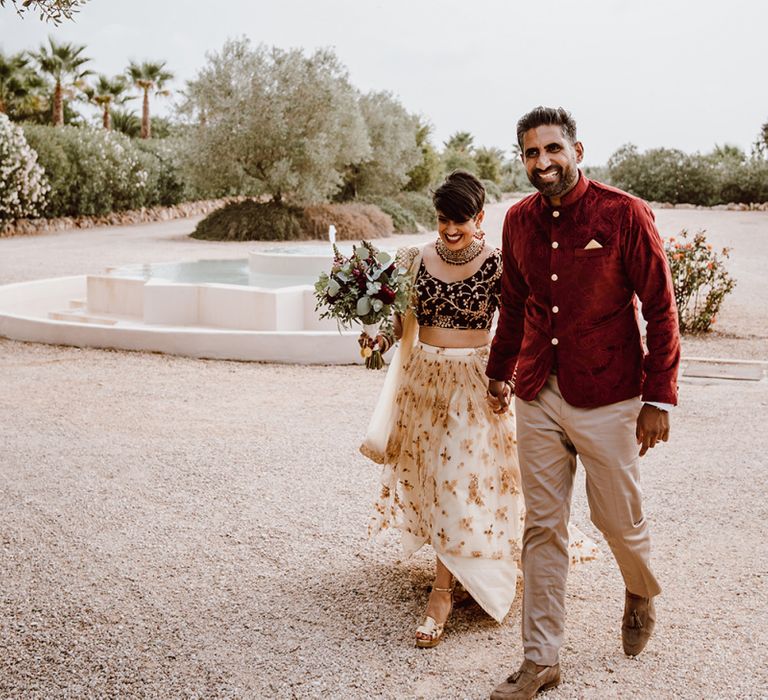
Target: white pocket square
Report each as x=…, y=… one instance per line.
x=592, y=245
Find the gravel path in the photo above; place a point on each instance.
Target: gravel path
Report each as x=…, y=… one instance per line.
x=172, y=527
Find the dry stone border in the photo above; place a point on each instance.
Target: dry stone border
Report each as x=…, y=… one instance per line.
x=30, y=227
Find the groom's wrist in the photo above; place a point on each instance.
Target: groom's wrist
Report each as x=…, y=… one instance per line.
x=661, y=406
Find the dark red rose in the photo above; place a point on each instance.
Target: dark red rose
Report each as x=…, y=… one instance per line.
x=386, y=294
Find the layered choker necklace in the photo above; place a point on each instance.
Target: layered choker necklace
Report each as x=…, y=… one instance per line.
x=459, y=257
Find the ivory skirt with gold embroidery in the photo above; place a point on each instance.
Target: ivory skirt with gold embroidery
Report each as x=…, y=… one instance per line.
x=451, y=477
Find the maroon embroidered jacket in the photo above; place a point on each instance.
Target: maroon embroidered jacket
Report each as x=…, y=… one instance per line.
x=570, y=278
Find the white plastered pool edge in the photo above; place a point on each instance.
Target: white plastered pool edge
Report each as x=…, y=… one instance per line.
x=23, y=316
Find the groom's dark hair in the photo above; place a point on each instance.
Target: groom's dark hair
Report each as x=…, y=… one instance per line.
x=546, y=116
x=460, y=198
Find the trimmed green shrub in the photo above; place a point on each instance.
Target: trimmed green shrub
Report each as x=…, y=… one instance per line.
x=252, y=221
x=353, y=221
x=745, y=183
x=420, y=205
x=668, y=175
x=665, y=175
x=267, y=221
x=403, y=219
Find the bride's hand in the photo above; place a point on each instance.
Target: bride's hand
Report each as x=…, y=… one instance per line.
x=499, y=395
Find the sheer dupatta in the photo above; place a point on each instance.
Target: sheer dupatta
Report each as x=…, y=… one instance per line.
x=374, y=445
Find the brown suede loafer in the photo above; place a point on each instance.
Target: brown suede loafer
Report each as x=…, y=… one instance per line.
x=637, y=624
x=527, y=681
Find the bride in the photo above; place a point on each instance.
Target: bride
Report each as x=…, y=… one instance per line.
x=451, y=476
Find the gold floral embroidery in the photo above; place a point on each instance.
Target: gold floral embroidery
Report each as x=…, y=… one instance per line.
x=466, y=303
x=474, y=491
x=505, y=476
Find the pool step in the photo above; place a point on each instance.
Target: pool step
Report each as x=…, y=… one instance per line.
x=79, y=317
x=78, y=303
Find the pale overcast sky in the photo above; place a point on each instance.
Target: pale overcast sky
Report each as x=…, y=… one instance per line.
x=679, y=73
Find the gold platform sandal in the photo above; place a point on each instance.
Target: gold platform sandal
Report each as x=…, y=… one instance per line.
x=431, y=628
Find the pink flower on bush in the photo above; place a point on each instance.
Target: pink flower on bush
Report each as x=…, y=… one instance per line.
x=700, y=281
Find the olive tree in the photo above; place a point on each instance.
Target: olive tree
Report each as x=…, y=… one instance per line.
x=271, y=122
x=48, y=10
x=392, y=133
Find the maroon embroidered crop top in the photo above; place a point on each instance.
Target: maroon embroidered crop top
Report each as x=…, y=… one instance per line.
x=465, y=304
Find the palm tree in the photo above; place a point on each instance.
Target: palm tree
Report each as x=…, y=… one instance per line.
x=106, y=93
x=11, y=81
x=149, y=76
x=461, y=142
x=126, y=123
x=19, y=85
x=63, y=62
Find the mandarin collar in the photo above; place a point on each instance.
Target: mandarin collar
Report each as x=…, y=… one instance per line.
x=573, y=196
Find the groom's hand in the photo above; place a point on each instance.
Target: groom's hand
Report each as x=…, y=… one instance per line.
x=499, y=395
x=652, y=427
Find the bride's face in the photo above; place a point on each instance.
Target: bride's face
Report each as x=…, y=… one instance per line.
x=455, y=235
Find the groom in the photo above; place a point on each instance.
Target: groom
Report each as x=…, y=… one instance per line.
x=576, y=254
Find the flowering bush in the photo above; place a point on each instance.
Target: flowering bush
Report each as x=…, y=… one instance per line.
x=94, y=172
x=367, y=287
x=166, y=186
x=700, y=280
x=23, y=185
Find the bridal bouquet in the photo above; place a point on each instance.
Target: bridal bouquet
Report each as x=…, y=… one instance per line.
x=367, y=287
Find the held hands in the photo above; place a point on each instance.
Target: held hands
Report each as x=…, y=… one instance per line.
x=652, y=427
x=499, y=395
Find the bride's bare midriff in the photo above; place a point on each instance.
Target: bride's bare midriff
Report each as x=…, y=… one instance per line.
x=454, y=337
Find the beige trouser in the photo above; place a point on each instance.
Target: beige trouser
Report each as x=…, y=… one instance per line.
x=550, y=433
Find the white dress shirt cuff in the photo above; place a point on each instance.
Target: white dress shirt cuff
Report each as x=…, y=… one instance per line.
x=663, y=406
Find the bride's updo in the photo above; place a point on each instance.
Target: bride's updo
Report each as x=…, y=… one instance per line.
x=460, y=198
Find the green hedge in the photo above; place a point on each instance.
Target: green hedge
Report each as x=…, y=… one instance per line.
x=670, y=175
x=94, y=172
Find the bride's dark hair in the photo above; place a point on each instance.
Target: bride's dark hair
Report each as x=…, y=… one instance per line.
x=460, y=198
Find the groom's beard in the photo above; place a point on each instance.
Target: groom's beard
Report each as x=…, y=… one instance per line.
x=554, y=188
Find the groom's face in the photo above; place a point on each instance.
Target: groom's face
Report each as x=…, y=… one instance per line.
x=551, y=160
